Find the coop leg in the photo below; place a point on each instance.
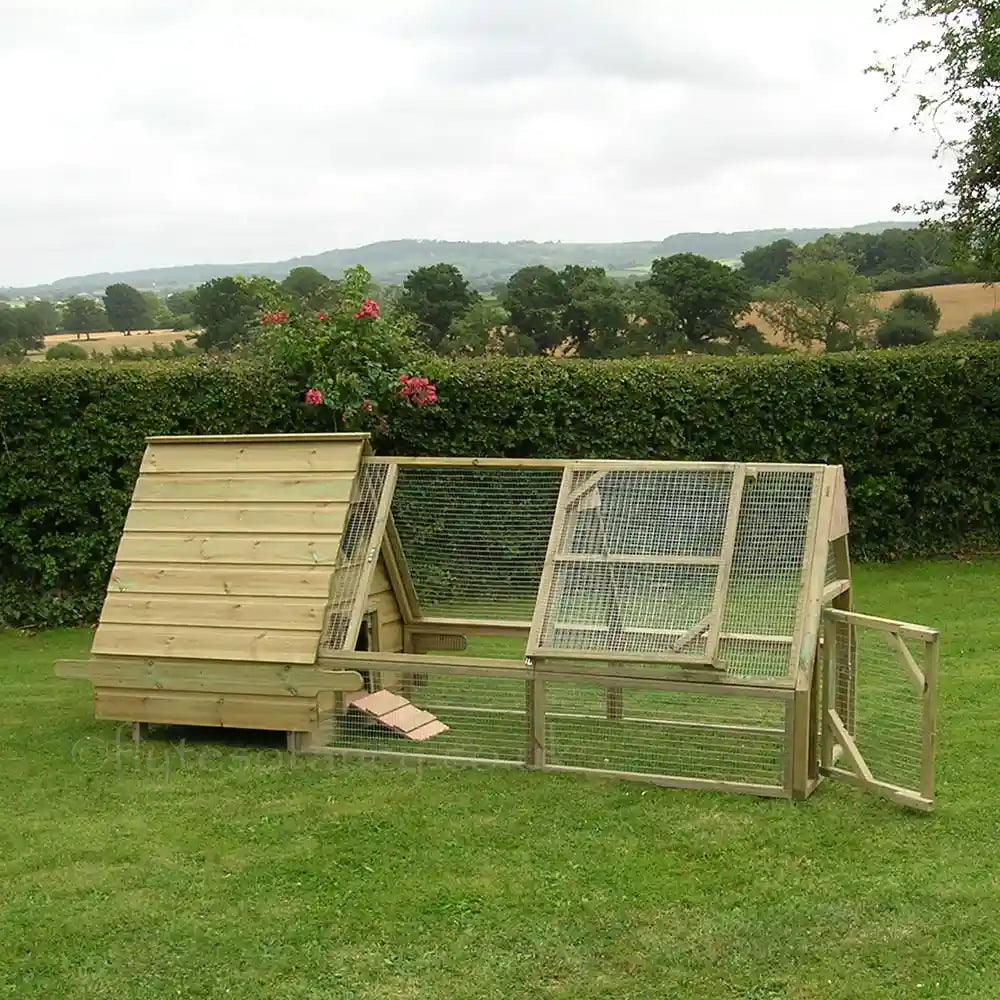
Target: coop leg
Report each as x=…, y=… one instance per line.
x=140, y=731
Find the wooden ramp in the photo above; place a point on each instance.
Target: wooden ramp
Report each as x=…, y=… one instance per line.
x=397, y=714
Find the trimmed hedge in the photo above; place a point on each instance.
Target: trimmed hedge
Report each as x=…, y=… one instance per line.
x=918, y=432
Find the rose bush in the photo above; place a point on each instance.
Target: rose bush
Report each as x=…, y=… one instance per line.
x=351, y=363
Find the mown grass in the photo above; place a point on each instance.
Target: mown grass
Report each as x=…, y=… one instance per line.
x=237, y=871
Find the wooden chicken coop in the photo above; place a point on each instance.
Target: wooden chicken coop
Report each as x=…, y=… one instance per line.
x=689, y=624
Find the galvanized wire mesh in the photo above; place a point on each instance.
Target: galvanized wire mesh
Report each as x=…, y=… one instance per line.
x=475, y=539
x=888, y=724
x=768, y=559
x=665, y=734
x=637, y=561
x=355, y=552
x=486, y=720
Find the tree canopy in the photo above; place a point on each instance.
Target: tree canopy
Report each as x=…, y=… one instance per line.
x=127, y=309
x=957, y=53
x=436, y=297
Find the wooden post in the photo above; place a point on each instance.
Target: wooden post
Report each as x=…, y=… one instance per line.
x=930, y=667
x=535, y=705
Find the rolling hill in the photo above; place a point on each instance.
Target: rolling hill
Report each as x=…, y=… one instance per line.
x=484, y=264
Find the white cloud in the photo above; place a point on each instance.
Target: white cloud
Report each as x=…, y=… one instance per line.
x=142, y=134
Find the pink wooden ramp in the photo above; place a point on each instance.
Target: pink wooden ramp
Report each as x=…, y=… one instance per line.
x=397, y=714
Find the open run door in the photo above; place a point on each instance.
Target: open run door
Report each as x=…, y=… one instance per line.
x=879, y=706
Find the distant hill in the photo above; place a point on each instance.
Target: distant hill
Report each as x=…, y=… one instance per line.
x=484, y=264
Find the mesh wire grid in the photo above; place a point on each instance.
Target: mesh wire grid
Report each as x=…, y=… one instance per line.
x=639, y=556
x=885, y=706
x=355, y=550
x=475, y=539
x=486, y=719
x=666, y=734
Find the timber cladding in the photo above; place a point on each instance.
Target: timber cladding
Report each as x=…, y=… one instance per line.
x=229, y=548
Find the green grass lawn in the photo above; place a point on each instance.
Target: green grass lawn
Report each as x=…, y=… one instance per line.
x=237, y=871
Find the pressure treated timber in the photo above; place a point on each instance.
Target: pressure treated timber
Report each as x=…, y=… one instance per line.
x=213, y=676
x=242, y=549
x=181, y=580
x=283, y=614
x=185, y=708
x=221, y=517
x=253, y=644
x=243, y=488
x=174, y=456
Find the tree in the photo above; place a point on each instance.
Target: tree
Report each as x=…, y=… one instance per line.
x=595, y=318
x=436, y=296
x=480, y=329
x=985, y=326
x=535, y=297
x=126, y=308
x=19, y=332
x=160, y=317
x=41, y=317
x=83, y=316
x=959, y=52
x=706, y=297
x=904, y=327
x=920, y=303
x=229, y=309
x=822, y=300
x=181, y=303
x=307, y=287
x=765, y=265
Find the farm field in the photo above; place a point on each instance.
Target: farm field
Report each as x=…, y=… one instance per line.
x=958, y=303
x=110, y=339
x=228, y=868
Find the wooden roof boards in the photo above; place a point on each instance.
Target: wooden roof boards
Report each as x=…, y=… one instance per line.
x=229, y=547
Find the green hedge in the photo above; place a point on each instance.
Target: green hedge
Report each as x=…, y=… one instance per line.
x=918, y=432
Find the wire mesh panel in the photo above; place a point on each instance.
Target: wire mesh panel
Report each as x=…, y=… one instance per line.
x=664, y=734
x=355, y=553
x=700, y=564
x=474, y=538
x=486, y=719
x=879, y=705
x=637, y=561
x=772, y=538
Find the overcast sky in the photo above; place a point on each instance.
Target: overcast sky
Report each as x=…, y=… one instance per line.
x=147, y=134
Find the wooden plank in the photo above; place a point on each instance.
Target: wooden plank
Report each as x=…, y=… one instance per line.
x=247, y=550
x=585, y=465
x=834, y=589
x=905, y=657
x=535, y=704
x=549, y=566
x=469, y=626
x=188, y=709
x=672, y=781
x=288, y=613
x=608, y=671
x=411, y=664
x=637, y=560
x=608, y=656
x=921, y=633
x=215, y=518
x=847, y=744
x=839, y=521
x=258, y=456
x=236, y=581
x=224, y=677
x=398, y=572
x=720, y=598
x=929, y=719
x=893, y=793
x=194, y=642
x=365, y=577
x=391, y=636
x=383, y=603
x=809, y=610
x=259, y=488
x=676, y=685
x=323, y=437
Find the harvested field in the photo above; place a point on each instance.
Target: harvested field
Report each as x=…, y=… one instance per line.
x=102, y=343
